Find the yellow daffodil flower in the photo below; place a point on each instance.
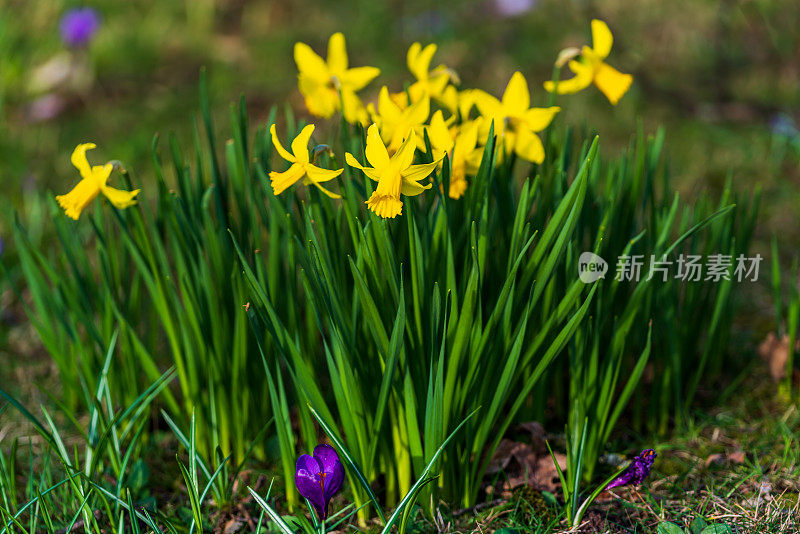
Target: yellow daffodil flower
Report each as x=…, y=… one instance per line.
x=429, y=82
x=592, y=69
x=458, y=103
x=460, y=143
x=394, y=122
x=93, y=182
x=301, y=165
x=329, y=85
x=440, y=133
x=462, y=101
x=514, y=120
x=396, y=175
x=450, y=99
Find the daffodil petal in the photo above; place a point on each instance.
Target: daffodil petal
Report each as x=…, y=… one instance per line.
x=415, y=173
x=401, y=99
x=352, y=161
x=473, y=161
x=375, y=151
x=337, y=54
x=412, y=55
x=537, y=119
x=581, y=80
x=404, y=156
x=488, y=106
x=79, y=160
x=100, y=173
x=436, y=85
x=324, y=191
x=507, y=142
x=357, y=78
x=321, y=99
x=516, y=98
x=310, y=64
x=528, y=146
x=450, y=99
x=465, y=102
x=119, y=198
x=419, y=111
x=279, y=147
x=612, y=82
x=412, y=189
x=457, y=188
x=318, y=174
x=601, y=38
x=439, y=134
x=387, y=108
x=420, y=61
x=467, y=137
x=369, y=171
x=416, y=91
x=352, y=108
x=300, y=144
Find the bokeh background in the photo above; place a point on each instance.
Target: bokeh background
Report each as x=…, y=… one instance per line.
x=722, y=76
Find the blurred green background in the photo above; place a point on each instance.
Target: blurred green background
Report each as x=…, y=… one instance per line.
x=723, y=77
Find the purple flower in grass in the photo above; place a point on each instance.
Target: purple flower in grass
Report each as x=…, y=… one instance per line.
x=78, y=26
x=637, y=471
x=319, y=477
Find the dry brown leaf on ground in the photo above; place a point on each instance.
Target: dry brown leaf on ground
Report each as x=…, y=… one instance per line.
x=508, y=450
x=719, y=458
x=538, y=436
x=232, y=526
x=525, y=463
x=736, y=457
x=775, y=352
x=546, y=475
x=542, y=475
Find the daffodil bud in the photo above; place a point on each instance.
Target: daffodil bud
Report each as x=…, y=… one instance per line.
x=565, y=55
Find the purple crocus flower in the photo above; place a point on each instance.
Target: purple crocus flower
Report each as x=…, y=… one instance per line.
x=637, y=471
x=319, y=477
x=78, y=26
x=514, y=8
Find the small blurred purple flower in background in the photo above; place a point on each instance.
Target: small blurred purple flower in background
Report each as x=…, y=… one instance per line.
x=78, y=26
x=637, y=471
x=46, y=108
x=319, y=477
x=783, y=124
x=514, y=8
